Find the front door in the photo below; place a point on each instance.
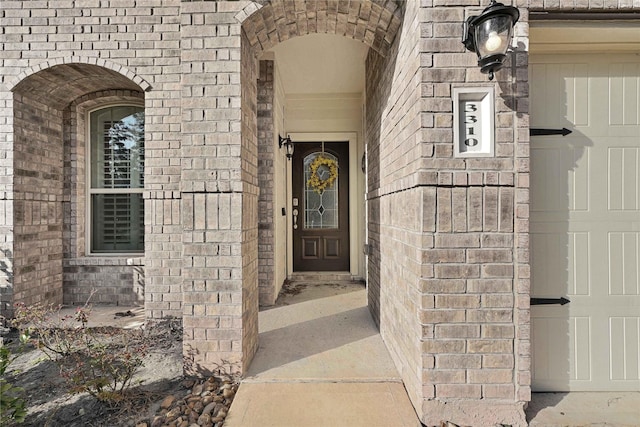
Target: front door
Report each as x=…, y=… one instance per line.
x=585, y=222
x=321, y=206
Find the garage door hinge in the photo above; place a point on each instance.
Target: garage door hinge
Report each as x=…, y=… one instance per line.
x=541, y=132
x=549, y=301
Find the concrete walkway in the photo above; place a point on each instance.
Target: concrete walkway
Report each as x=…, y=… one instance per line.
x=321, y=362
x=601, y=409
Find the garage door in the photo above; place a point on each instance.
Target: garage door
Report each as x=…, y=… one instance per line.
x=585, y=222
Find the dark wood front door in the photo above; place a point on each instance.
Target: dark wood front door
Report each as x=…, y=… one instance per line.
x=321, y=206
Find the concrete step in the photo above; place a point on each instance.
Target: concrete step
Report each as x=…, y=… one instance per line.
x=323, y=277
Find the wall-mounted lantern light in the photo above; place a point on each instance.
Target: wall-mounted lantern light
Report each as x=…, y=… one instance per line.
x=489, y=35
x=288, y=145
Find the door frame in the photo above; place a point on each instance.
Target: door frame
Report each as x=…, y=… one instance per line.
x=355, y=184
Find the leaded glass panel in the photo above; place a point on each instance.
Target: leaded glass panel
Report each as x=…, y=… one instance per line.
x=321, y=207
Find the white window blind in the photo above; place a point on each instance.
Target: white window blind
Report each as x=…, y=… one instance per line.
x=117, y=180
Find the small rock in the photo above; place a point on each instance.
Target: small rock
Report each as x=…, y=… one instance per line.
x=197, y=406
x=142, y=425
x=207, y=409
x=218, y=408
x=167, y=402
x=228, y=393
x=174, y=413
x=188, y=383
x=184, y=423
x=157, y=421
x=197, y=390
x=204, y=419
x=193, y=417
x=207, y=399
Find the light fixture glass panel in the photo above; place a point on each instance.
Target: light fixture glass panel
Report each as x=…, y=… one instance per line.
x=493, y=35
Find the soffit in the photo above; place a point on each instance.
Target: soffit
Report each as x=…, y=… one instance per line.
x=321, y=64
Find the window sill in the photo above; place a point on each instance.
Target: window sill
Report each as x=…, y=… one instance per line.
x=105, y=261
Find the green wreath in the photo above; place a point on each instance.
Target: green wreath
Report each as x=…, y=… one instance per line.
x=316, y=182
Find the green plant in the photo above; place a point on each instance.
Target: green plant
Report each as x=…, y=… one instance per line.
x=12, y=402
x=99, y=361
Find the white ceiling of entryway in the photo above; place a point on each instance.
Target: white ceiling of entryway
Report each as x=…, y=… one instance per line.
x=320, y=63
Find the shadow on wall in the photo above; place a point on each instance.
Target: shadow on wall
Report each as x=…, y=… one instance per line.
x=379, y=74
x=6, y=289
x=555, y=193
x=138, y=283
x=540, y=401
x=516, y=91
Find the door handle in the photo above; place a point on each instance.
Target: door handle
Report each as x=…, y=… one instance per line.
x=295, y=219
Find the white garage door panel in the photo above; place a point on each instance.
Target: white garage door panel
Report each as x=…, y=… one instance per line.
x=585, y=222
x=623, y=101
x=625, y=348
x=550, y=252
x=551, y=333
x=624, y=252
x=624, y=165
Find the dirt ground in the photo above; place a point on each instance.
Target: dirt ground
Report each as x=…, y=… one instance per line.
x=50, y=404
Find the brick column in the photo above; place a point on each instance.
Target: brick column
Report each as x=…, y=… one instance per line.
x=443, y=230
x=6, y=203
x=266, y=174
x=219, y=190
x=468, y=306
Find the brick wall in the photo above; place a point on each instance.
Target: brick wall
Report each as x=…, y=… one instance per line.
x=468, y=313
x=104, y=281
x=219, y=188
x=395, y=204
x=449, y=273
x=266, y=174
x=59, y=51
x=249, y=210
x=38, y=196
x=442, y=228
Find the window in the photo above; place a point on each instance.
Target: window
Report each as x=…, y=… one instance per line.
x=320, y=207
x=117, y=180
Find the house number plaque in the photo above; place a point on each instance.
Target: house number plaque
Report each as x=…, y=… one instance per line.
x=473, y=123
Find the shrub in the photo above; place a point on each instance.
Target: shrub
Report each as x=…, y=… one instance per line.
x=99, y=361
x=12, y=403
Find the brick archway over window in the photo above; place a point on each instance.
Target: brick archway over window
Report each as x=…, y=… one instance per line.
x=57, y=85
x=269, y=22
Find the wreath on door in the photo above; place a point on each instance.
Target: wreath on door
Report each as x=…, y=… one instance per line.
x=324, y=172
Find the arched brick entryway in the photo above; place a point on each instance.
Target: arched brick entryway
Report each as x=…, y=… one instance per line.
x=221, y=315
x=267, y=23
